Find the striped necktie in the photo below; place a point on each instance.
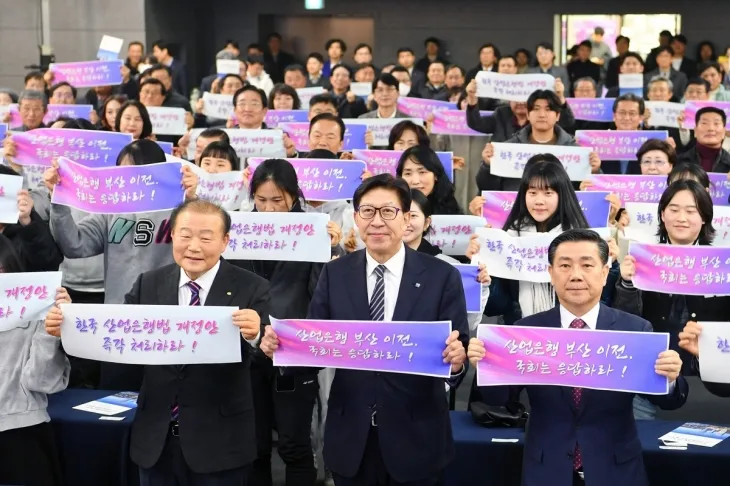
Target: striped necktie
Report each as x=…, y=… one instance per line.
x=577, y=396
x=194, y=300
x=377, y=301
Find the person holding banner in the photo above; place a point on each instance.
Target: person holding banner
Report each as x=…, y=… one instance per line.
x=689, y=341
x=685, y=219
x=371, y=436
x=34, y=366
x=130, y=243
x=710, y=123
x=543, y=114
x=582, y=436
x=284, y=402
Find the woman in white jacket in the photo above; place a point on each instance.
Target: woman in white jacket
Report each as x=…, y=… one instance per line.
x=32, y=365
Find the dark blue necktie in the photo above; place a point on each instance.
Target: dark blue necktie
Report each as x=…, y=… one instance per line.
x=377, y=301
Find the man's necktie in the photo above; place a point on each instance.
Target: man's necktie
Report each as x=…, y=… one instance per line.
x=194, y=300
x=577, y=395
x=377, y=301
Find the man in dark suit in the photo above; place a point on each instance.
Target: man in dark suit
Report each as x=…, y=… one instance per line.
x=578, y=431
x=386, y=428
x=665, y=70
x=161, y=51
x=196, y=421
x=275, y=59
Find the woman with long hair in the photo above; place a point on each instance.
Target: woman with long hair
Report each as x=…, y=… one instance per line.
x=422, y=169
x=281, y=401
x=685, y=215
x=133, y=118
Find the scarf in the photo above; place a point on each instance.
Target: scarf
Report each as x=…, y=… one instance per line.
x=535, y=297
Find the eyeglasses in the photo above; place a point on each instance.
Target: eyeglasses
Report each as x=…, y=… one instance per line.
x=388, y=213
x=658, y=163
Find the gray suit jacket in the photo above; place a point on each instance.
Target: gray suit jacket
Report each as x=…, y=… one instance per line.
x=556, y=71
x=678, y=79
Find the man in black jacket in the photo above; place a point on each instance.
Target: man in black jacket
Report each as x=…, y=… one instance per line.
x=195, y=423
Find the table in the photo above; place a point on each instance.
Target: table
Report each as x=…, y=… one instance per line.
x=93, y=452
x=481, y=461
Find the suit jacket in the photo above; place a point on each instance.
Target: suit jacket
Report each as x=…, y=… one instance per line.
x=414, y=428
x=678, y=79
x=275, y=67
x=217, y=428
x=179, y=77
x=603, y=426
x=688, y=67
x=556, y=72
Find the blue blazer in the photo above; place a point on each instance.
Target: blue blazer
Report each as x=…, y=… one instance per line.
x=604, y=424
x=414, y=428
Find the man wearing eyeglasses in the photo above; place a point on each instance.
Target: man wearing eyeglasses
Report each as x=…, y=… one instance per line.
x=385, y=89
x=388, y=428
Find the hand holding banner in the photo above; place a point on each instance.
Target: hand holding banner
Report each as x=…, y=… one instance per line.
x=294, y=237
x=151, y=334
x=397, y=347
x=498, y=204
x=127, y=189
x=601, y=360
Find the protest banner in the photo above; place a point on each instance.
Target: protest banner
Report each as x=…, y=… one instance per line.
x=397, y=347
x=274, y=117
x=227, y=189
x=151, y=334
x=126, y=189
x=26, y=297
x=380, y=127
x=617, y=144
x=498, y=204
x=451, y=232
x=299, y=134
x=386, y=161
x=218, y=105
x=509, y=159
x=10, y=185
x=109, y=48
x=306, y=94
x=631, y=84
x=423, y=108
x=472, y=287
x=664, y=113
x=453, y=122
x=89, y=148
x=691, y=107
x=601, y=360
x=295, y=237
x=247, y=143
x=67, y=111
x=88, y=74
x=592, y=109
x=511, y=87
x=714, y=346
x=167, y=121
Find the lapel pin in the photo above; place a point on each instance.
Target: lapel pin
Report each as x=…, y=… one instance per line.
x=228, y=293
x=417, y=285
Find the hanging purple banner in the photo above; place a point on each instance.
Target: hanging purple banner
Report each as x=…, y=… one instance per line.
x=453, y=122
x=323, y=179
x=592, y=109
x=691, y=108
x=423, y=108
x=617, y=144
x=274, y=117
x=88, y=74
x=89, y=148
x=601, y=360
x=127, y=189
x=67, y=111
x=472, y=287
x=386, y=161
x=299, y=134
x=498, y=204
x=681, y=270
x=413, y=348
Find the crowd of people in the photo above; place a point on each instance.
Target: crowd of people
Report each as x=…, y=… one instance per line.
x=213, y=424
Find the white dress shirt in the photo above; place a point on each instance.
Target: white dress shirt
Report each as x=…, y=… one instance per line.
x=185, y=293
x=591, y=320
x=392, y=277
x=377, y=114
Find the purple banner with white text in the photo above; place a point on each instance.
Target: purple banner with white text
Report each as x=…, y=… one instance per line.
x=601, y=360
x=67, y=111
x=397, y=347
x=3, y=130
x=386, y=161
x=617, y=144
x=453, y=122
x=275, y=117
x=472, y=287
x=681, y=270
x=324, y=179
x=423, y=108
x=498, y=204
x=89, y=148
x=691, y=108
x=88, y=74
x=127, y=189
x=166, y=146
x=649, y=188
x=592, y=109
x=9, y=114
